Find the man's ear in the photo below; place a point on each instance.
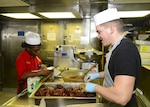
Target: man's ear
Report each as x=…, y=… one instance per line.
x=111, y=29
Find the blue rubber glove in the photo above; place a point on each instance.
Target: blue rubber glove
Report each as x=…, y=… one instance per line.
x=90, y=87
x=91, y=76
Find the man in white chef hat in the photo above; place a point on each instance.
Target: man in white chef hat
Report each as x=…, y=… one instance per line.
x=123, y=63
x=28, y=63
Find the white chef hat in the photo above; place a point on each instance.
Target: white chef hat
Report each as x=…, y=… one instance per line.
x=106, y=16
x=32, y=38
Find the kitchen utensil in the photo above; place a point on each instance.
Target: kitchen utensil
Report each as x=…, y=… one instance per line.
x=50, y=75
x=76, y=75
x=73, y=75
x=52, y=67
x=90, y=69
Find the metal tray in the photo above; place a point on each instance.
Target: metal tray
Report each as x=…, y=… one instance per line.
x=65, y=85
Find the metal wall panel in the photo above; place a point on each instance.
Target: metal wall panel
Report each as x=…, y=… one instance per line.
x=63, y=32
x=11, y=47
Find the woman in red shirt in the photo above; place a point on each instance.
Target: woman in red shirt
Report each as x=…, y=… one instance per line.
x=28, y=61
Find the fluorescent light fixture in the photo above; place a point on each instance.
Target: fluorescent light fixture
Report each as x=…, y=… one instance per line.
x=133, y=14
x=147, y=31
x=57, y=14
x=21, y=15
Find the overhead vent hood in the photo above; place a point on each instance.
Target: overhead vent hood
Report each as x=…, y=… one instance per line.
x=38, y=12
x=78, y=8
x=12, y=3
x=130, y=5
x=40, y=9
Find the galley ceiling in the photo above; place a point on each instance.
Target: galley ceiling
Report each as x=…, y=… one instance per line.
x=88, y=7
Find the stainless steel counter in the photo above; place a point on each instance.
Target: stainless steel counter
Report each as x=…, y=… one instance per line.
x=23, y=100
x=20, y=100
x=87, y=105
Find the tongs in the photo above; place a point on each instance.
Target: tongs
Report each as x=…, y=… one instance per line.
x=48, y=76
x=89, y=70
x=86, y=72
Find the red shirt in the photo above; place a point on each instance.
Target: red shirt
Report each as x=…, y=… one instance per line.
x=26, y=63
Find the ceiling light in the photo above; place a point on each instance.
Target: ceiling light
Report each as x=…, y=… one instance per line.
x=57, y=14
x=148, y=31
x=133, y=14
x=21, y=15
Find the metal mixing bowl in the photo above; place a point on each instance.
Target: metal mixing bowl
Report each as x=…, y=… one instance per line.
x=73, y=75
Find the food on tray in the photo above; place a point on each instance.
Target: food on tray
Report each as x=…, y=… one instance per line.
x=82, y=86
x=60, y=90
